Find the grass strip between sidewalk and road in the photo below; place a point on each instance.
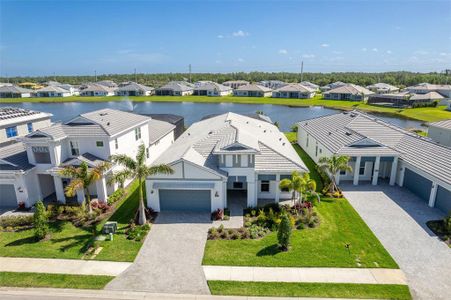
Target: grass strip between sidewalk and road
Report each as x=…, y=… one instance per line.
x=326, y=290
x=12, y=279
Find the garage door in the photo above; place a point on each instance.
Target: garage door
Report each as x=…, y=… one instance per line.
x=7, y=195
x=185, y=200
x=417, y=184
x=443, y=200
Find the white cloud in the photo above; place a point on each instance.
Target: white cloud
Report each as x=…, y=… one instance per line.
x=389, y=52
x=325, y=45
x=374, y=49
x=240, y=59
x=364, y=49
x=308, y=56
x=220, y=36
x=240, y=33
x=283, y=51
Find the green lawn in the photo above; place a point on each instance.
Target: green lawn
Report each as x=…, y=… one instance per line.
x=11, y=279
x=68, y=241
x=326, y=290
x=323, y=246
x=311, y=165
x=427, y=114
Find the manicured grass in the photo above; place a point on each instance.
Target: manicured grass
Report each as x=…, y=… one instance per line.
x=311, y=165
x=291, y=136
x=326, y=290
x=11, y=279
x=323, y=246
x=68, y=241
x=427, y=114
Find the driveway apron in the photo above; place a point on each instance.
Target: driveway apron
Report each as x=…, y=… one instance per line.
x=170, y=261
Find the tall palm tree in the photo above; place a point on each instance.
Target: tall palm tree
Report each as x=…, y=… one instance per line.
x=137, y=169
x=82, y=177
x=293, y=184
x=332, y=165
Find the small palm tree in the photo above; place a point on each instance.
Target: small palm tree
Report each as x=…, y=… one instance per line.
x=137, y=169
x=309, y=186
x=293, y=184
x=82, y=177
x=333, y=165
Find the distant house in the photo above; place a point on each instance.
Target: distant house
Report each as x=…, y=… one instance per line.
x=234, y=84
x=440, y=132
x=310, y=85
x=403, y=99
x=134, y=89
x=14, y=92
x=108, y=83
x=210, y=88
x=351, y=92
x=95, y=89
x=30, y=85
x=72, y=89
x=294, y=90
x=52, y=91
x=331, y=86
x=273, y=84
x=175, y=88
x=252, y=90
x=382, y=88
x=424, y=88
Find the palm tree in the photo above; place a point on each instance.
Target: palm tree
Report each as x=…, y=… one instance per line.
x=137, y=169
x=82, y=177
x=308, y=185
x=293, y=184
x=333, y=165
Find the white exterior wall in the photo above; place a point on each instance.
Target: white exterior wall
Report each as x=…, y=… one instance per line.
x=22, y=128
x=311, y=147
x=440, y=135
x=156, y=149
x=25, y=186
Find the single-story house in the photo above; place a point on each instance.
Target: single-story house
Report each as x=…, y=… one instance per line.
x=220, y=158
x=14, y=92
x=403, y=99
x=351, y=92
x=234, y=84
x=424, y=88
x=95, y=89
x=210, y=88
x=310, y=85
x=108, y=83
x=134, y=89
x=382, y=88
x=52, y=91
x=175, y=88
x=440, y=132
x=273, y=84
x=332, y=85
x=381, y=152
x=252, y=90
x=294, y=90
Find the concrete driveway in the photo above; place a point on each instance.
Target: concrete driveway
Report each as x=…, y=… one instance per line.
x=398, y=218
x=170, y=261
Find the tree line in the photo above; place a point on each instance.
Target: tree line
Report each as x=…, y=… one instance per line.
x=400, y=79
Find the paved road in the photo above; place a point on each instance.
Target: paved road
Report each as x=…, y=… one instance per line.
x=170, y=261
x=398, y=218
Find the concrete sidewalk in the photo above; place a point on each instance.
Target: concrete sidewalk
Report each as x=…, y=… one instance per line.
x=327, y=275
x=62, y=266
x=70, y=294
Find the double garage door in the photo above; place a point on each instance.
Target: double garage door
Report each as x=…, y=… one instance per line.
x=7, y=196
x=185, y=200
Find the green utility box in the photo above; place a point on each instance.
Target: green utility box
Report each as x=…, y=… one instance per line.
x=110, y=228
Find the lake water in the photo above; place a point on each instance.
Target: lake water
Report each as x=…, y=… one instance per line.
x=192, y=112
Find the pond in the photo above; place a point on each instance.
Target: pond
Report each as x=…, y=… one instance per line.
x=192, y=112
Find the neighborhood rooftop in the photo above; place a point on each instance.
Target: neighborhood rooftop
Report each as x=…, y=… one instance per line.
x=442, y=124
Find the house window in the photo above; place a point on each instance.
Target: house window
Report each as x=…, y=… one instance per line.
x=147, y=152
x=362, y=168
x=11, y=131
x=285, y=189
x=237, y=185
x=342, y=172
x=320, y=151
x=99, y=143
x=116, y=144
x=30, y=127
x=74, y=149
x=264, y=186
x=137, y=133
x=306, y=144
x=316, y=150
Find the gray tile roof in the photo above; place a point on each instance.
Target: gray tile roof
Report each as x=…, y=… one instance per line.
x=52, y=88
x=158, y=129
x=14, y=89
x=133, y=86
x=427, y=96
x=254, y=88
x=336, y=132
x=96, y=87
x=180, y=86
x=382, y=86
x=14, y=158
x=310, y=84
x=199, y=142
x=211, y=86
x=296, y=87
x=442, y=124
x=349, y=89
x=90, y=159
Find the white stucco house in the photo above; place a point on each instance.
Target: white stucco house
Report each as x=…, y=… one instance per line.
x=18, y=122
x=52, y=91
x=224, y=154
x=252, y=90
x=210, y=88
x=175, y=88
x=30, y=169
x=424, y=88
x=12, y=91
x=294, y=90
x=95, y=89
x=382, y=88
x=440, y=132
x=234, y=84
x=134, y=89
x=350, y=91
x=381, y=152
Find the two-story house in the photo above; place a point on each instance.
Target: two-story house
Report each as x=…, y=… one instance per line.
x=92, y=137
x=224, y=155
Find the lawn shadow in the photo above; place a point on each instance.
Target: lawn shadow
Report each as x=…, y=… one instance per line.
x=20, y=242
x=269, y=250
x=84, y=241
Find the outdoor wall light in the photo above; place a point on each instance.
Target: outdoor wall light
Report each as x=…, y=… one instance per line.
x=20, y=189
x=216, y=194
x=151, y=191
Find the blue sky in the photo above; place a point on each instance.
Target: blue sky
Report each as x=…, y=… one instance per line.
x=78, y=37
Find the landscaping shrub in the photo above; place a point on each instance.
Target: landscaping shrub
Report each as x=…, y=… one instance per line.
x=284, y=233
x=217, y=215
x=100, y=207
x=40, y=220
x=137, y=232
x=15, y=222
x=116, y=196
